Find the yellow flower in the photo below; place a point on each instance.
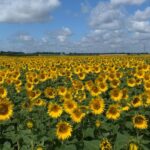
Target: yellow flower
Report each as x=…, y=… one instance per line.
x=29, y=124
x=3, y=92
x=49, y=92
x=113, y=112
x=133, y=146
x=125, y=93
x=115, y=83
x=105, y=145
x=62, y=91
x=97, y=105
x=63, y=130
x=131, y=82
x=136, y=102
x=6, y=109
x=95, y=91
x=103, y=86
x=147, y=86
x=140, y=122
x=81, y=75
x=77, y=115
x=39, y=102
x=98, y=123
x=39, y=148
x=116, y=94
x=69, y=106
x=54, y=110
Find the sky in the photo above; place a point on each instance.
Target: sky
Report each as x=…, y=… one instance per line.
x=83, y=26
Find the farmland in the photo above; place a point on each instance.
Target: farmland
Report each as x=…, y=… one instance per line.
x=75, y=102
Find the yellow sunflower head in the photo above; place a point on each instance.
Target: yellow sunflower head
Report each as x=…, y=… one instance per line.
x=6, y=109
x=49, y=92
x=133, y=146
x=3, y=92
x=54, y=110
x=29, y=124
x=113, y=112
x=116, y=94
x=136, y=102
x=69, y=106
x=140, y=122
x=105, y=145
x=77, y=115
x=63, y=130
x=97, y=105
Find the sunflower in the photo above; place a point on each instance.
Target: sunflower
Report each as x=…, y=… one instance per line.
x=68, y=96
x=81, y=75
x=125, y=108
x=95, y=90
x=54, y=110
x=97, y=105
x=140, y=122
x=125, y=93
x=89, y=84
x=39, y=102
x=69, y=106
x=133, y=146
x=1, y=80
x=147, y=86
x=6, y=109
x=103, y=86
x=77, y=115
x=136, y=102
x=39, y=148
x=98, y=123
x=32, y=95
x=62, y=91
x=116, y=94
x=29, y=86
x=3, y=92
x=113, y=112
x=114, y=83
x=105, y=145
x=63, y=130
x=49, y=92
x=139, y=74
x=131, y=82
x=29, y=124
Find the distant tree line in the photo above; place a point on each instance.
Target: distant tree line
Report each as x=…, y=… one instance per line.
x=13, y=53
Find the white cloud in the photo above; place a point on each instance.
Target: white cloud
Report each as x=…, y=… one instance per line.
x=105, y=16
x=127, y=2
x=63, y=34
x=142, y=15
x=140, y=21
x=141, y=26
x=25, y=37
x=22, y=11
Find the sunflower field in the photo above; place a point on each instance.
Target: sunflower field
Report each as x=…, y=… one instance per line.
x=75, y=102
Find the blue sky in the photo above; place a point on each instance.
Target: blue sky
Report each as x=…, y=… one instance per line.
x=75, y=25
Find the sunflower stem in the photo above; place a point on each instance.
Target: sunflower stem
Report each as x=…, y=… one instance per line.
x=32, y=145
x=18, y=145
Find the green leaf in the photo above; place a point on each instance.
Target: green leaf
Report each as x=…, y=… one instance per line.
x=89, y=132
x=52, y=134
x=91, y=145
x=7, y=146
x=144, y=147
x=121, y=141
x=129, y=125
x=67, y=147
